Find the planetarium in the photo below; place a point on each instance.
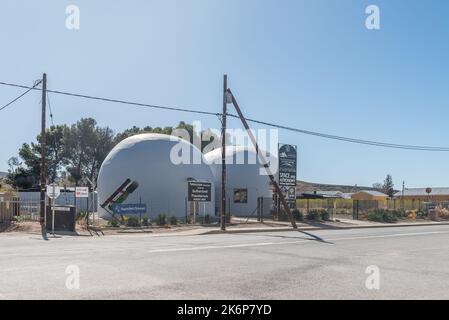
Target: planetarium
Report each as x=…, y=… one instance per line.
x=246, y=180
x=146, y=169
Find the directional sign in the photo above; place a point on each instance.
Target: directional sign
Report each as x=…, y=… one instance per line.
x=200, y=191
x=82, y=192
x=137, y=208
x=53, y=191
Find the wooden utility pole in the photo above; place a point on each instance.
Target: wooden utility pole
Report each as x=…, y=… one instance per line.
x=263, y=160
x=223, y=154
x=43, y=153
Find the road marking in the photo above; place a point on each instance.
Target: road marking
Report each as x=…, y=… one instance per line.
x=311, y=240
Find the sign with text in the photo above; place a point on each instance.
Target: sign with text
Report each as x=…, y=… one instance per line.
x=82, y=192
x=137, y=208
x=200, y=191
x=287, y=171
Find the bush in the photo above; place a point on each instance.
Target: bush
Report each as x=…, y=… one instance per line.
x=132, y=222
x=298, y=215
x=314, y=215
x=206, y=219
x=146, y=222
x=381, y=215
x=173, y=221
x=325, y=215
x=113, y=223
x=161, y=220
x=188, y=220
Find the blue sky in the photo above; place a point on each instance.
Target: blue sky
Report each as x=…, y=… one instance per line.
x=308, y=64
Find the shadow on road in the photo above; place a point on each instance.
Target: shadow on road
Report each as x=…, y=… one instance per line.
x=315, y=237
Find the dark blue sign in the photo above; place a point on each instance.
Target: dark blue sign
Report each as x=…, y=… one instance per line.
x=138, y=208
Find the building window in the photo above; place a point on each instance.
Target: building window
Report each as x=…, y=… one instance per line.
x=240, y=195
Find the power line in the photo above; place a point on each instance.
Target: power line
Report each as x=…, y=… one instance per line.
x=116, y=100
x=307, y=132
x=346, y=139
x=29, y=89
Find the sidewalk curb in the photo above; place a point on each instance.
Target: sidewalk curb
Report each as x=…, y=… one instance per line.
x=255, y=230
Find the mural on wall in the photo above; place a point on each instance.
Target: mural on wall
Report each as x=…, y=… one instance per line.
x=120, y=195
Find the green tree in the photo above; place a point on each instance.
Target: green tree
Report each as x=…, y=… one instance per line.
x=26, y=173
x=388, y=186
x=87, y=145
x=80, y=141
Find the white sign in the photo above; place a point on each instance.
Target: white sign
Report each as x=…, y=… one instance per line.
x=82, y=192
x=53, y=191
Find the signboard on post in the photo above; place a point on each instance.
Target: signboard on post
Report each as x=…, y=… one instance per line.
x=137, y=208
x=287, y=171
x=199, y=191
x=53, y=191
x=82, y=192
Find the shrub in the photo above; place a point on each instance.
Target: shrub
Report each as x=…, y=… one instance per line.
x=206, y=219
x=173, y=221
x=298, y=215
x=443, y=213
x=188, y=220
x=19, y=219
x=381, y=215
x=132, y=222
x=113, y=223
x=161, y=220
x=325, y=215
x=314, y=215
x=146, y=221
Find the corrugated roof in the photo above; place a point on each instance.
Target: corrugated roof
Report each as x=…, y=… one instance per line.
x=422, y=192
x=374, y=193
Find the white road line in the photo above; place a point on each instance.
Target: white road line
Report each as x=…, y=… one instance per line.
x=261, y=244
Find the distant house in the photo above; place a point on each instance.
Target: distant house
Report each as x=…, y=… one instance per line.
x=318, y=194
x=369, y=195
x=420, y=194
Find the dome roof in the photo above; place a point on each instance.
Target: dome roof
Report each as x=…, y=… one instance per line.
x=160, y=165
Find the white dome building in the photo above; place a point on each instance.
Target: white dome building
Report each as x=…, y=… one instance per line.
x=141, y=170
x=246, y=180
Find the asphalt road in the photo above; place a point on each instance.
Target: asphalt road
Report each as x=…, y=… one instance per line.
x=413, y=263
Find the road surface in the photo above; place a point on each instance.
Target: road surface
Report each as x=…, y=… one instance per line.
x=412, y=263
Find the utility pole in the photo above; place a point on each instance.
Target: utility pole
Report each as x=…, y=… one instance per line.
x=403, y=190
x=43, y=153
x=264, y=161
x=223, y=154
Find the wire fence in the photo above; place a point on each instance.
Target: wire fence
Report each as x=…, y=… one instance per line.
x=358, y=209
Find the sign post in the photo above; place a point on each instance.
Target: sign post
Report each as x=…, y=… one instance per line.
x=83, y=192
x=53, y=192
x=287, y=172
x=199, y=191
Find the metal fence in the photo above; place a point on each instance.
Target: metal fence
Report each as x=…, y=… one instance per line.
x=66, y=198
x=6, y=212
x=25, y=206
x=358, y=209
